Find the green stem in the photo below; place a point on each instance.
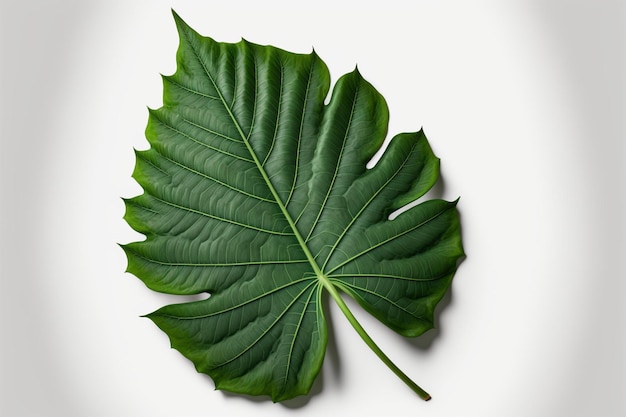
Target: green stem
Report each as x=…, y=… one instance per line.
x=369, y=342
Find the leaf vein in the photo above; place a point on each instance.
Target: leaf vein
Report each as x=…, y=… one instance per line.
x=364, y=207
x=208, y=177
x=223, y=264
x=199, y=212
x=185, y=135
x=382, y=297
x=267, y=330
x=213, y=132
x=302, y=116
x=338, y=277
x=295, y=336
x=189, y=89
x=280, y=102
x=332, y=183
x=237, y=306
x=383, y=242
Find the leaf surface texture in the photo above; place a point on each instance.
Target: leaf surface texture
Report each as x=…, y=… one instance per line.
x=257, y=193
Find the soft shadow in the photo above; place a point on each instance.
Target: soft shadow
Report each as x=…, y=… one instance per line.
x=437, y=190
x=251, y=398
x=167, y=299
x=426, y=340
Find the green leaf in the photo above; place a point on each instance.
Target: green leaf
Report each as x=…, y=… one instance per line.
x=257, y=193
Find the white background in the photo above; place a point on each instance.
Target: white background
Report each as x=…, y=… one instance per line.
x=524, y=101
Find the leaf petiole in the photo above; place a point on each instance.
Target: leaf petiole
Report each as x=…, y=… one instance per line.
x=369, y=341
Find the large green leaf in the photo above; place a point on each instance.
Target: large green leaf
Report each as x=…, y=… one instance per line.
x=257, y=193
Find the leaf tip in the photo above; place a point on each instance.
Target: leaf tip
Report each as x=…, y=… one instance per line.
x=181, y=25
x=124, y=247
x=176, y=16
x=150, y=316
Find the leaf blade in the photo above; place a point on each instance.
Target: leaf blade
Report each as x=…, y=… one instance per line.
x=258, y=194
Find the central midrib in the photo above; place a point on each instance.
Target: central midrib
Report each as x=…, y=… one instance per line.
x=316, y=268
